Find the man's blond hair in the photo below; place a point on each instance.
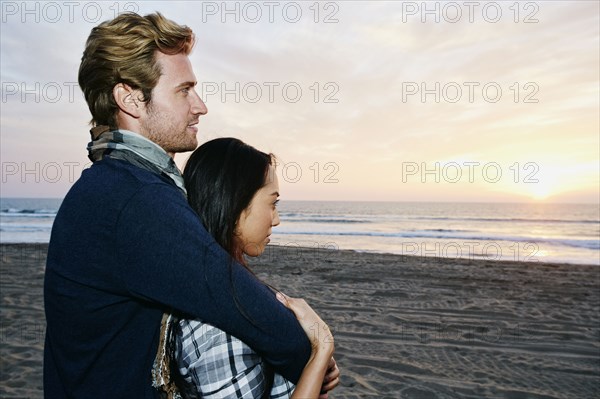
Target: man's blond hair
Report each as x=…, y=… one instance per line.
x=123, y=50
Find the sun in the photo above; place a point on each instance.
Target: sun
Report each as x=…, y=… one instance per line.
x=540, y=192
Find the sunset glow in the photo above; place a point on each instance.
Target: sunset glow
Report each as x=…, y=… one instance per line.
x=359, y=100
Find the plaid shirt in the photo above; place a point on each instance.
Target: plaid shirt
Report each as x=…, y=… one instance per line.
x=219, y=365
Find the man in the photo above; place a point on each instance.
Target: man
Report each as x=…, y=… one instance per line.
x=125, y=246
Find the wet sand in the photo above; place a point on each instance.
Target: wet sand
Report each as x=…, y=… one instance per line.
x=405, y=327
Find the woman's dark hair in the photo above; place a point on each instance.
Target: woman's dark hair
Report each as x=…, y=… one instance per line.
x=221, y=177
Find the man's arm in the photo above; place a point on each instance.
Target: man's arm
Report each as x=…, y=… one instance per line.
x=169, y=258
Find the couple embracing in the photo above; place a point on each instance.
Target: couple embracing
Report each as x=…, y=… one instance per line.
x=147, y=292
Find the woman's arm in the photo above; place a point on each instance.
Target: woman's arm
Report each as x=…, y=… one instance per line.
x=312, y=378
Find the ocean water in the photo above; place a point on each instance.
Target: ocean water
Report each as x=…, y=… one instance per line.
x=520, y=232
x=27, y=219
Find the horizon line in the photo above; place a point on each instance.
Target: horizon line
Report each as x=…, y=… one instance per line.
x=542, y=202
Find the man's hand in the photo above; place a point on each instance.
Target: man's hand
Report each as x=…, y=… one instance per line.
x=331, y=379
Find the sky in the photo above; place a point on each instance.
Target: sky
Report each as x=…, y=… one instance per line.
x=366, y=101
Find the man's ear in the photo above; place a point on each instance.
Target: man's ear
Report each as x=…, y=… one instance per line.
x=128, y=100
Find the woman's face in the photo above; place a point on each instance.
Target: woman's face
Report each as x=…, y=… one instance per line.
x=255, y=223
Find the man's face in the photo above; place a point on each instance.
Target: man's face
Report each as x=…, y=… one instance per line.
x=170, y=117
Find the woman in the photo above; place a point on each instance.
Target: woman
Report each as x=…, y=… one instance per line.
x=234, y=189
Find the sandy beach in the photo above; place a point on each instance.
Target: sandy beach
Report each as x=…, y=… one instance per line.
x=405, y=327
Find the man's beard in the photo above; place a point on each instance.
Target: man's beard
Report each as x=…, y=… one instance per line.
x=162, y=130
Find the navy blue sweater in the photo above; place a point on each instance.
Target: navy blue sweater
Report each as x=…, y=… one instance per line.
x=126, y=247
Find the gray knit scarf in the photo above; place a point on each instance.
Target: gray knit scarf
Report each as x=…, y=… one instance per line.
x=135, y=149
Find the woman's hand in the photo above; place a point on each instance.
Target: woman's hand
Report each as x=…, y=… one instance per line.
x=321, y=373
x=331, y=379
x=315, y=328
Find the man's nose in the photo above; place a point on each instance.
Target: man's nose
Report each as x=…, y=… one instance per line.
x=198, y=106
